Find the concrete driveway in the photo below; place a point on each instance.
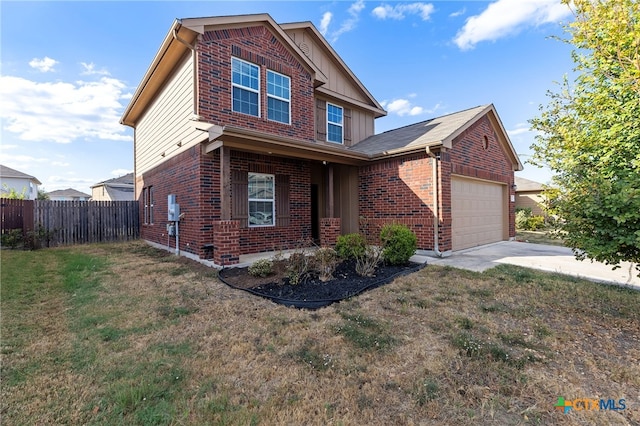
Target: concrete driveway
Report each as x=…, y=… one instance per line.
x=536, y=256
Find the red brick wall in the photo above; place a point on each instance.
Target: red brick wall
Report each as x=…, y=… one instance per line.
x=397, y=190
x=329, y=231
x=470, y=158
x=226, y=242
x=194, y=179
x=260, y=47
x=270, y=238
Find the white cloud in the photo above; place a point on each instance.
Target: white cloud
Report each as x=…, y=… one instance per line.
x=404, y=107
x=458, y=13
x=519, y=129
x=120, y=172
x=400, y=11
x=60, y=164
x=348, y=24
x=90, y=69
x=61, y=111
x=506, y=17
x=45, y=64
x=324, y=23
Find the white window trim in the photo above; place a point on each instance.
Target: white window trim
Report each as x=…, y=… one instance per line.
x=278, y=97
x=335, y=124
x=273, y=203
x=250, y=89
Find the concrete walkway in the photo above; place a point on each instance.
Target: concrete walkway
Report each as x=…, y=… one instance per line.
x=535, y=256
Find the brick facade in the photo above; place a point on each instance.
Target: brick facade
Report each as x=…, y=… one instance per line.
x=329, y=231
x=260, y=47
x=398, y=190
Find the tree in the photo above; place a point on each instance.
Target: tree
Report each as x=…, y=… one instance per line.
x=589, y=134
x=42, y=194
x=12, y=194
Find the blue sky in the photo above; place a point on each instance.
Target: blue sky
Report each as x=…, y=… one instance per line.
x=68, y=69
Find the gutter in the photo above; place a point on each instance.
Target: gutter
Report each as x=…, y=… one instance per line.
x=436, y=215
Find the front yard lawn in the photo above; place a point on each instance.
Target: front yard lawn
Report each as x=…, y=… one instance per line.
x=127, y=334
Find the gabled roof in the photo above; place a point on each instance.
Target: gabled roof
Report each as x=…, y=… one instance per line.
x=7, y=172
x=68, y=193
x=321, y=41
x=183, y=34
x=439, y=131
x=120, y=193
x=524, y=185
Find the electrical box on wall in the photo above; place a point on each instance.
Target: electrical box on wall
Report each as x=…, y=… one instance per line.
x=173, y=209
x=171, y=230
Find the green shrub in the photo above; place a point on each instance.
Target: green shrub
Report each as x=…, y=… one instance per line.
x=399, y=243
x=12, y=238
x=351, y=246
x=527, y=222
x=261, y=268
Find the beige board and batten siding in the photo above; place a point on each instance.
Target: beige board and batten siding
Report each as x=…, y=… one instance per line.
x=478, y=211
x=167, y=123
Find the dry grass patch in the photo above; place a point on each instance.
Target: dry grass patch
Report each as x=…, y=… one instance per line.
x=131, y=335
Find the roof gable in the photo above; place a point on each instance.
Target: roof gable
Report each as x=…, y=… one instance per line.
x=439, y=131
x=307, y=37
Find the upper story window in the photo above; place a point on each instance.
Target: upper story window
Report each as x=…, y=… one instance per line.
x=334, y=123
x=246, y=87
x=278, y=97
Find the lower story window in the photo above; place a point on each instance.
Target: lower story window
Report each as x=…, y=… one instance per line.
x=147, y=194
x=261, y=199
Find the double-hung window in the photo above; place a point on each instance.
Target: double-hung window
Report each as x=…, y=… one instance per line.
x=261, y=199
x=334, y=123
x=278, y=97
x=245, y=81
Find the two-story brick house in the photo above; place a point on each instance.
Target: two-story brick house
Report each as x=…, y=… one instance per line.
x=266, y=138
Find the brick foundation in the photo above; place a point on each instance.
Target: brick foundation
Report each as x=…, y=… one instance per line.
x=226, y=242
x=329, y=231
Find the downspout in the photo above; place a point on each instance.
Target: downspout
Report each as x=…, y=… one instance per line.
x=195, y=70
x=436, y=215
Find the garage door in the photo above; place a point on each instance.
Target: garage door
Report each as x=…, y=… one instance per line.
x=477, y=211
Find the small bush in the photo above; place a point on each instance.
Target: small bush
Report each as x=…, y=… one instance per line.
x=325, y=260
x=367, y=263
x=351, y=246
x=298, y=267
x=261, y=268
x=527, y=222
x=399, y=243
x=12, y=238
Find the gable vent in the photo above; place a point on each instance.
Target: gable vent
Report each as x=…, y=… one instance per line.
x=305, y=48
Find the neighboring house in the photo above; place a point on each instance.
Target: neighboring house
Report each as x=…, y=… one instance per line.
x=529, y=195
x=266, y=138
x=19, y=182
x=117, y=189
x=68, y=194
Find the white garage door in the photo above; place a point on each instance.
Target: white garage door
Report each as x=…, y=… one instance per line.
x=477, y=212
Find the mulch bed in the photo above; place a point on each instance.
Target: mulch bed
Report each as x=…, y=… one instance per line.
x=313, y=293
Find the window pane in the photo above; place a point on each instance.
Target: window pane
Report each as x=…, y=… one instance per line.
x=334, y=133
x=261, y=212
x=261, y=187
x=245, y=101
x=334, y=114
x=278, y=110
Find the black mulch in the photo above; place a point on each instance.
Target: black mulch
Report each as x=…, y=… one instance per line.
x=313, y=293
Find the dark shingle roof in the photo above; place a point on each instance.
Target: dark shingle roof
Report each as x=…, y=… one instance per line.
x=419, y=135
x=68, y=193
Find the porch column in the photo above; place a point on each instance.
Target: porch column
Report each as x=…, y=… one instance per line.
x=330, y=209
x=226, y=242
x=225, y=183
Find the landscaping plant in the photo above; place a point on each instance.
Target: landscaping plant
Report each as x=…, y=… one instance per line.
x=351, y=246
x=399, y=243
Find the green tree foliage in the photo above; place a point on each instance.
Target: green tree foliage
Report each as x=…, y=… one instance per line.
x=42, y=194
x=589, y=134
x=12, y=194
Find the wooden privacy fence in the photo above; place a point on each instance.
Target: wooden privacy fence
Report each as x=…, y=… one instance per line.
x=74, y=222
